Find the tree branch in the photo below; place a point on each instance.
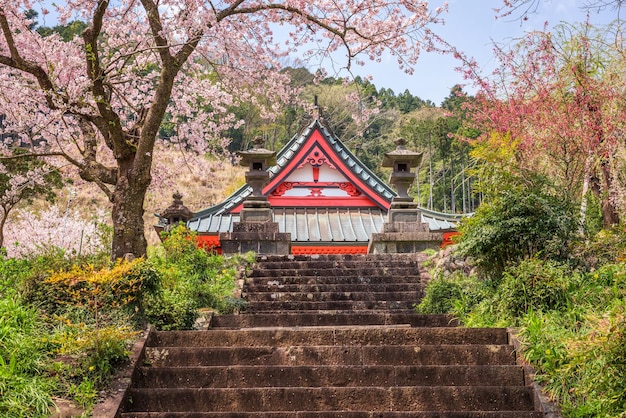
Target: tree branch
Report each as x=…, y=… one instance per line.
x=110, y=126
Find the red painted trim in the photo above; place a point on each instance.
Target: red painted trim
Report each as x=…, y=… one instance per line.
x=329, y=249
x=316, y=202
x=321, y=201
x=448, y=238
x=212, y=243
x=209, y=243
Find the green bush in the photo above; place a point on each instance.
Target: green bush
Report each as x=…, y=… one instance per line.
x=171, y=309
x=455, y=294
x=518, y=224
x=192, y=279
x=581, y=364
x=534, y=284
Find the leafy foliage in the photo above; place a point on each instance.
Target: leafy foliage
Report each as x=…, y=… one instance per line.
x=515, y=225
x=447, y=294
x=67, y=323
x=23, y=391
x=572, y=324
x=192, y=278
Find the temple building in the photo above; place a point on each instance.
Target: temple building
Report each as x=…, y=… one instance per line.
x=316, y=197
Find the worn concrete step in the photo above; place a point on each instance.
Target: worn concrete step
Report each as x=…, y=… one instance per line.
x=344, y=305
x=339, y=336
x=342, y=257
x=327, y=376
x=327, y=264
x=276, y=286
x=338, y=414
x=420, y=398
x=365, y=355
x=411, y=296
x=336, y=272
x=345, y=279
x=329, y=318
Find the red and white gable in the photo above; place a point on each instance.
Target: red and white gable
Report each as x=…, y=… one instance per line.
x=317, y=176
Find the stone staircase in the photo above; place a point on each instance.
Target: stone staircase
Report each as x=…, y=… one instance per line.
x=330, y=336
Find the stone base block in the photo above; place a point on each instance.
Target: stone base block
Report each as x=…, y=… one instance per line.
x=260, y=237
x=255, y=227
x=406, y=242
x=263, y=215
x=405, y=227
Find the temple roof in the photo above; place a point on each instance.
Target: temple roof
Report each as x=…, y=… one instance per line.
x=349, y=219
x=327, y=225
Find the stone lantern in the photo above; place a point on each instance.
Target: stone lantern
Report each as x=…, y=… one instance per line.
x=177, y=212
x=257, y=159
x=404, y=231
x=402, y=161
x=256, y=207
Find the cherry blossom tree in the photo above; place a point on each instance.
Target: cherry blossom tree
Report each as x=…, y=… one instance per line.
x=558, y=99
x=54, y=227
x=98, y=101
x=21, y=180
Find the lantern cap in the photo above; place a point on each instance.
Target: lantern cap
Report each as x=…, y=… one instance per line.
x=401, y=155
x=257, y=154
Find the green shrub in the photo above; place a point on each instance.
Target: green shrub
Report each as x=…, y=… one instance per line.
x=583, y=364
x=84, y=358
x=518, y=224
x=455, y=294
x=606, y=247
x=534, y=284
x=171, y=309
x=103, y=293
x=192, y=279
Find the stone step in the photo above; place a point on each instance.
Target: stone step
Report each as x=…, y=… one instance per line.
x=345, y=279
x=337, y=336
x=419, y=398
x=349, y=355
x=344, y=305
x=329, y=376
x=411, y=296
x=337, y=318
x=328, y=264
x=336, y=272
x=338, y=414
x=275, y=286
x=343, y=257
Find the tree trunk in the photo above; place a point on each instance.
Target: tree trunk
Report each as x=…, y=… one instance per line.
x=610, y=216
x=3, y=220
x=604, y=193
x=127, y=212
x=583, y=203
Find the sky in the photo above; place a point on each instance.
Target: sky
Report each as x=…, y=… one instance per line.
x=471, y=26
